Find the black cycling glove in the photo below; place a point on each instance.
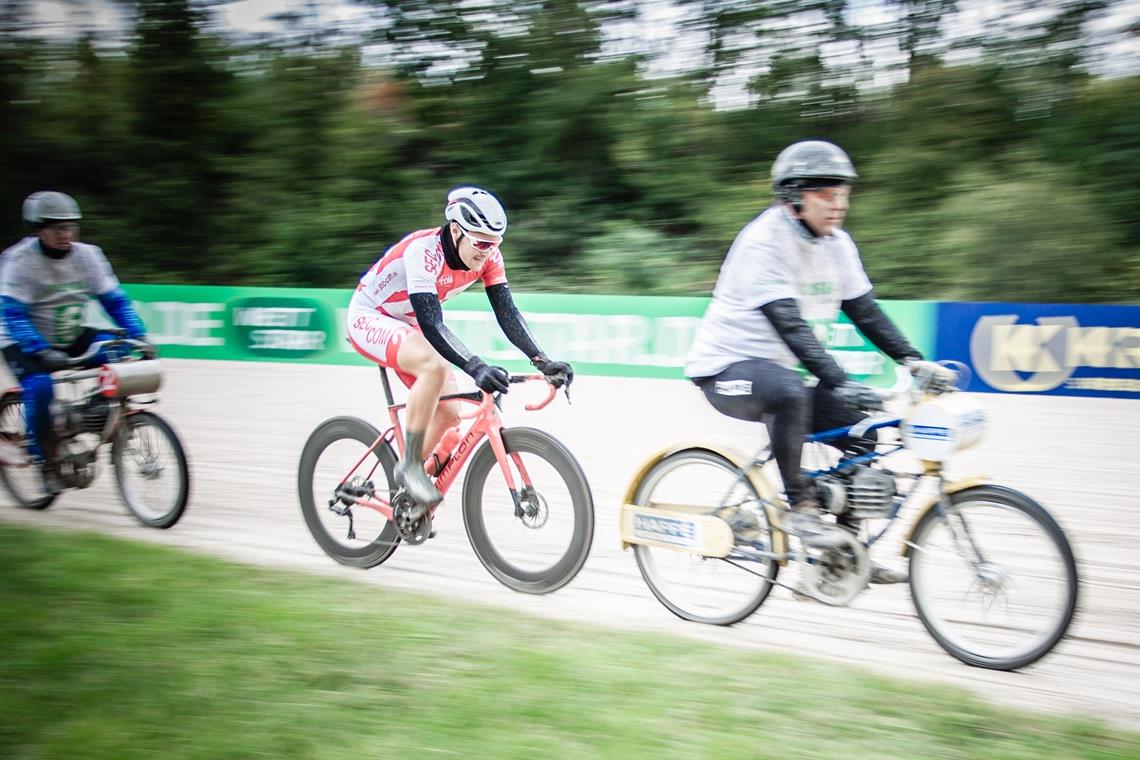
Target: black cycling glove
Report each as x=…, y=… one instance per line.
x=859, y=397
x=556, y=373
x=488, y=377
x=53, y=360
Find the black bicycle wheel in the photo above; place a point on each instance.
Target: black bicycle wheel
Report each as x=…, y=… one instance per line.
x=23, y=481
x=151, y=470
x=360, y=537
x=993, y=579
x=706, y=589
x=543, y=548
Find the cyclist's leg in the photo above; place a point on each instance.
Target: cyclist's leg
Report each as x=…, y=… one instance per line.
x=829, y=413
x=396, y=344
x=759, y=390
x=416, y=357
x=38, y=393
x=446, y=415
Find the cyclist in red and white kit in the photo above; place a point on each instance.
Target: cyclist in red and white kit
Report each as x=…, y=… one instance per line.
x=395, y=319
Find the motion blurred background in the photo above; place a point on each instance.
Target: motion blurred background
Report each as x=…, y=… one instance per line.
x=278, y=143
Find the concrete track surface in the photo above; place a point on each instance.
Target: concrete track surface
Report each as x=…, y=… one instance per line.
x=244, y=425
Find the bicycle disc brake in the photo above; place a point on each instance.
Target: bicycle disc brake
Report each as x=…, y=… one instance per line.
x=838, y=574
x=413, y=523
x=534, y=511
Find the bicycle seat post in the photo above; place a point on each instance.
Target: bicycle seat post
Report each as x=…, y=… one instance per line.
x=387, y=386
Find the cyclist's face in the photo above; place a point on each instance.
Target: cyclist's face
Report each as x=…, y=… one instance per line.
x=474, y=249
x=59, y=235
x=825, y=209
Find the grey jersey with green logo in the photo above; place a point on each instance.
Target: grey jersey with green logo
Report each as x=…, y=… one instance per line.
x=771, y=259
x=56, y=291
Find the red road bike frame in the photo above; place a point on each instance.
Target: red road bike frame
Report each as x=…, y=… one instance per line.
x=487, y=422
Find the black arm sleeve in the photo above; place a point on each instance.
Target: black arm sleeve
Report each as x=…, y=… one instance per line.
x=429, y=315
x=865, y=312
x=511, y=320
x=785, y=317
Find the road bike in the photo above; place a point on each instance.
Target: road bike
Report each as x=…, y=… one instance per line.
x=527, y=506
x=992, y=574
x=95, y=406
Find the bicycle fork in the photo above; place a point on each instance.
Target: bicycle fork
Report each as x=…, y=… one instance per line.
x=526, y=501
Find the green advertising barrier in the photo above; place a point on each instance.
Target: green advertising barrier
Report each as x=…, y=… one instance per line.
x=631, y=336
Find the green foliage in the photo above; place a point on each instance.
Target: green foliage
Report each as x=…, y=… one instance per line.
x=625, y=257
x=1023, y=230
x=201, y=159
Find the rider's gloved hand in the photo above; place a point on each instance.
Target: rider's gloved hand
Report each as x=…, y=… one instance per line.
x=931, y=374
x=489, y=378
x=857, y=396
x=149, y=350
x=53, y=360
x=556, y=373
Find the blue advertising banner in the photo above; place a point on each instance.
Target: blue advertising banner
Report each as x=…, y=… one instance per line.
x=1062, y=349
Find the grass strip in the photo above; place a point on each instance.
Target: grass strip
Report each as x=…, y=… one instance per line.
x=113, y=649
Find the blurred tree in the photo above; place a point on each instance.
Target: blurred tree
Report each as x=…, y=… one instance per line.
x=295, y=158
x=173, y=186
x=1022, y=230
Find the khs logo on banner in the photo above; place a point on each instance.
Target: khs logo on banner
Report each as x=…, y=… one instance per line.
x=1049, y=351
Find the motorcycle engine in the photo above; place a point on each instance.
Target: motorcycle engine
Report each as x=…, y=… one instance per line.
x=95, y=414
x=861, y=492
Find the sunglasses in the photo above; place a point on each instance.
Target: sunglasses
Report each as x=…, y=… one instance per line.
x=481, y=245
x=61, y=227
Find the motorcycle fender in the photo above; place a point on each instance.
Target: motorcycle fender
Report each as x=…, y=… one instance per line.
x=929, y=501
x=773, y=502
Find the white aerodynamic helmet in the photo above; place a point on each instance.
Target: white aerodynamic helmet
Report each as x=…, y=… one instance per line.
x=476, y=210
x=48, y=206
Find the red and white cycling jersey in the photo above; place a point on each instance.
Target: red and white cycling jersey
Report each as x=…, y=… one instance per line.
x=416, y=264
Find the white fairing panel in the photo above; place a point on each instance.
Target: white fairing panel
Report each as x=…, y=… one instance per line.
x=937, y=428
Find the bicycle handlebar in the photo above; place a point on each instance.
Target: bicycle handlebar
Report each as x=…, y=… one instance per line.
x=121, y=340
x=924, y=383
x=553, y=391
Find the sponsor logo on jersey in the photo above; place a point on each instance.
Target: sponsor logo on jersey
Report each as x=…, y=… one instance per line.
x=59, y=287
x=383, y=283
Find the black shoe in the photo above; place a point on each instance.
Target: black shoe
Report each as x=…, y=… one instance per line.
x=883, y=576
x=805, y=520
x=52, y=481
